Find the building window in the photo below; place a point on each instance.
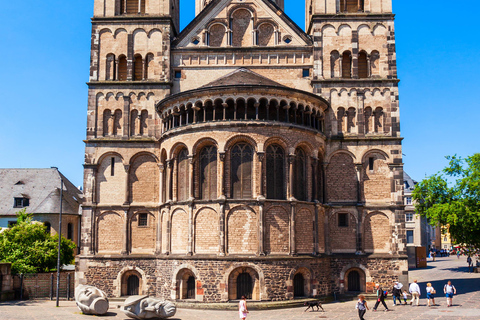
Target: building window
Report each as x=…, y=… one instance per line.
x=299, y=175
x=371, y=161
x=132, y=6
x=182, y=175
x=409, y=217
x=12, y=224
x=21, y=202
x=112, y=166
x=138, y=68
x=351, y=6
x=305, y=73
x=178, y=74
x=142, y=219
x=409, y=236
x=275, y=172
x=343, y=219
x=241, y=164
x=408, y=200
x=208, y=173
x=347, y=65
x=445, y=239
x=70, y=231
x=122, y=68
x=362, y=65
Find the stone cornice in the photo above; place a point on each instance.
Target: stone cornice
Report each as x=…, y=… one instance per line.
x=130, y=84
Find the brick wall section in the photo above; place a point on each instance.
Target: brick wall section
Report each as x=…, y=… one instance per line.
x=377, y=233
x=304, y=231
x=143, y=237
x=144, y=179
x=242, y=232
x=206, y=231
x=111, y=189
x=110, y=233
x=341, y=179
x=342, y=239
x=39, y=285
x=276, y=230
x=376, y=182
x=179, y=231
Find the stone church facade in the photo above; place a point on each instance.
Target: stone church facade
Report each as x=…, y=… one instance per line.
x=242, y=155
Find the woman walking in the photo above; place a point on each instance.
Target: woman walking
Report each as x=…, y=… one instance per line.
x=361, y=306
x=397, y=293
x=449, y=291
x=242, y=308
x=430, y=294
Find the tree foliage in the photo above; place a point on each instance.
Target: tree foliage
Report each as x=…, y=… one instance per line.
x=30, y=249
x=451, y=198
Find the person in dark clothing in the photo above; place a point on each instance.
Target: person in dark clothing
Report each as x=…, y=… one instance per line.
x=380, y=298
x=361, y=306
x=397, y=293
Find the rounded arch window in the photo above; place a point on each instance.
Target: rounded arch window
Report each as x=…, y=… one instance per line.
x=241, y=168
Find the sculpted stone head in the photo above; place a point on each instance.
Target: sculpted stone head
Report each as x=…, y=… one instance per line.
x=91, y=300
x=145, y=307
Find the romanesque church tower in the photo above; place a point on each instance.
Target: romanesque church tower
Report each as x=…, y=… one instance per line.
x=242, y=155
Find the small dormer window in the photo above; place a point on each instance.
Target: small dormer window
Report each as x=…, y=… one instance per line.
x=21, y=202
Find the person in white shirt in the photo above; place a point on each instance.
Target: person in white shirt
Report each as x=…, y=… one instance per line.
x=449, y=291
x=415, y=291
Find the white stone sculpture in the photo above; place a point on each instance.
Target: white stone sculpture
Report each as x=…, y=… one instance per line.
x=145, y=307
x=91, y=300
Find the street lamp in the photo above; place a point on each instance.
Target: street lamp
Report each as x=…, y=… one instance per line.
x=59, y=236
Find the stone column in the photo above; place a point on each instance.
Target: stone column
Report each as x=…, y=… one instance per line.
x=190, y=229
x=315, y=229
x=127, y=187
x=169, y=232
x=358, y=170
x=261, y=179
x=359, y=230
x=224, y=105
x=256, y=110
x=125, y=232
x=191, y=162
x=221, y=244
x=291, y=159
x=315, y=179
x=168, y=185
x=158, y=234
x=161, y=169
x=126, y=116
x=292, y=229
x=222, y=174
x=261, y=227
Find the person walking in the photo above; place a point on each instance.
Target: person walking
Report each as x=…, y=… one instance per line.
x=449, y=291
x=242, y=308
x=361, y=306
x=380, y=298
x=458, y=253
x=470, y=264
x=415, y=291
x=430, y=294
x=397, y=293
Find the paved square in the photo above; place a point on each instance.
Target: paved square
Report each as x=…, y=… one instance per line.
x=466, y=303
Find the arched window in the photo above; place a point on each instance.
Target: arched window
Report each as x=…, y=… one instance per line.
x=143, y=122
x=362, y=65
x=110, y=67
x=208, y=173
x=347, y=65
x=241, y=168
x=350, y=119
x=341, y=114
x=134, y=127
x=299, y=175
x=375, y=63
x=122, y=68
x=138, y=68
x=149, y=67
x=107, y=122
x=182, y=175
x=48, y=227
x=117, y=123
x=266, y=33
x=298, y=285
x=70, y=231
x=379, y=120
x=241, y=28
x=216, y=35
x=335, y=64
x=275, y=172
x=368, y=120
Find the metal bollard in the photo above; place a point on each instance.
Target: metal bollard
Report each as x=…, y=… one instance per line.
x=51, y=286
x=68, y=287
x=21, y=286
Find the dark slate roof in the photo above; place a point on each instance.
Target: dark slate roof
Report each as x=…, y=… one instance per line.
x=409, y=182
x=41, y=187
x=242, y=76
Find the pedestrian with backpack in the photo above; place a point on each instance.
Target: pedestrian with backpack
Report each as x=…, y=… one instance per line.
x=449, y=291
x=381, y=295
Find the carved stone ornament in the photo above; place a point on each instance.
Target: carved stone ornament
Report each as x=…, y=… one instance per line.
x=91, y=300
x=145, y=307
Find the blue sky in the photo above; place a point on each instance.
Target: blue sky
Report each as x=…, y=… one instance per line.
x=46, y=59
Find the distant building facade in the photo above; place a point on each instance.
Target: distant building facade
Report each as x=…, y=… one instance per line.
x=38, y=191
x=242, y=155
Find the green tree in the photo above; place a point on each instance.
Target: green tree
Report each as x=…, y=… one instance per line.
x=451, y=198
x=30, y=249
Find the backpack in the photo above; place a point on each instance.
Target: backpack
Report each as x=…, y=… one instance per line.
x=385, y=294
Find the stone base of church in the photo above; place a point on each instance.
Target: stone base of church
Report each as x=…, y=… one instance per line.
x=220, y=279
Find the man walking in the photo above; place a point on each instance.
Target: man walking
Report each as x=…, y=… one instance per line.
x=380, y=298
x=415, y=291
x=470, y=264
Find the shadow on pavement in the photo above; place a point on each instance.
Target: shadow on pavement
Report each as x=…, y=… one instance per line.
x=462, y=286
x=20, y=303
